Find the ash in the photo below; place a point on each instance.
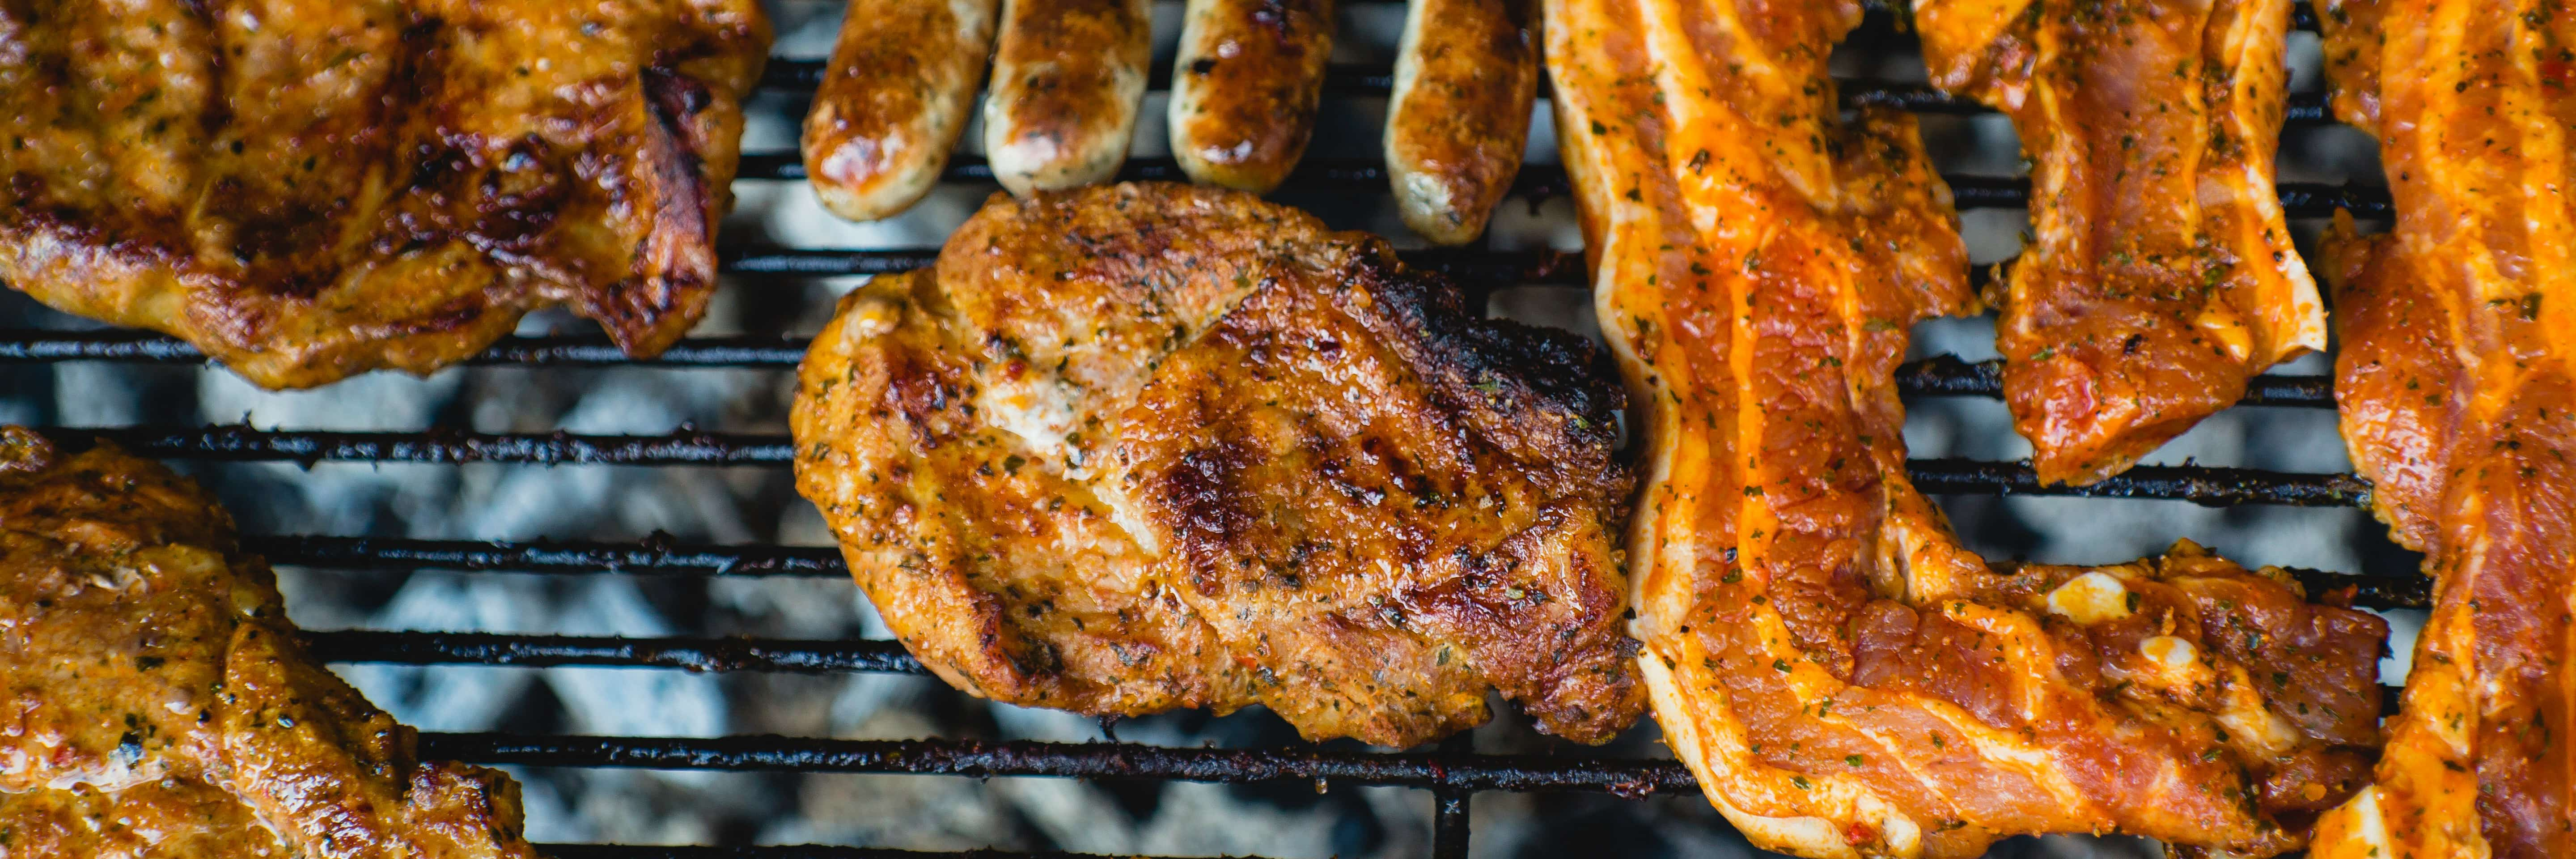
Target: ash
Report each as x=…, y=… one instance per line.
x=743, y=505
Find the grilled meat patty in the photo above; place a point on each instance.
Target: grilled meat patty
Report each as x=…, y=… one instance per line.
x=2457, y=384
x=306, y=190
x=1844, y=678
x=2162, y=276
x=158, y=703
x=1147, y=446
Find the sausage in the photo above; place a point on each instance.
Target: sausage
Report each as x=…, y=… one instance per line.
x=890, y=109
x=1244, y=88
x=1466, y=73
x=1068, y=80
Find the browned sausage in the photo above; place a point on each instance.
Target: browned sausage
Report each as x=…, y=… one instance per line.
x=889, y=111
x=1068, y=79
x=1465, y=75
x=1244, y=88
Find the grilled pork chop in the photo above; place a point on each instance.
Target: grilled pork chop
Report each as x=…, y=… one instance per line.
x=2457, y=382
x=1844, y=678
x=2162, y=276
x=1148, y=446
x=306, y=190
x=158, y=703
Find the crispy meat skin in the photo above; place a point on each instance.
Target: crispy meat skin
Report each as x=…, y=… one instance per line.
x=1844, y=678
x=2457, y=382
x=157, y=702
x=1150, y=446
x=2162, y=275
x=307, y=190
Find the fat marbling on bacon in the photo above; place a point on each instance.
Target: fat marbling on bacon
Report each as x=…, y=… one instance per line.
x=2457, y=384
x=1845, y=679
x=2161, y=276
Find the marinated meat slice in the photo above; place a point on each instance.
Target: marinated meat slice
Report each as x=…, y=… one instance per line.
x=306, y=190
x=1140, y=447
x=158, y=703
x=2457, y=383
x=1844, y=678
x=2161, y=277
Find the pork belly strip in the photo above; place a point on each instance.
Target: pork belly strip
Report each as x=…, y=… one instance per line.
x=1843, y=677
x=2459, y=402
x=2161, y=275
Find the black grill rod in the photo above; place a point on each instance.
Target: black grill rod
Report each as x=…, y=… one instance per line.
x=1630, y=777
x=788, y=851
x=663, y=558
x=1943, y=375
x=2207, y=485
x=1365, y=175
x=1449, y=805
x=548, y=651
x=1348, y=80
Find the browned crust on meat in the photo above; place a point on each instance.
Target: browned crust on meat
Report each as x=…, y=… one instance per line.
x=1068, y=78
x=902, y=78
x=152, y=679
x=1461, y=113
x=356, y=186
x=2457, y=386
x=1845, y=679
x=1152, y=446
x=2396, y=381
x=1245, y=86
x=2161, y=276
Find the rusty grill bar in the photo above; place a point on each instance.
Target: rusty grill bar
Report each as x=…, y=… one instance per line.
x=1452, y=771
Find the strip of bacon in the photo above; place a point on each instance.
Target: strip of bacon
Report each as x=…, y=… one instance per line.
x=2161, y=275
x=1842, y=676
x=2457, y=383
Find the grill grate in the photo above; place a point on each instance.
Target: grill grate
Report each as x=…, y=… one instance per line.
x=1452, y=772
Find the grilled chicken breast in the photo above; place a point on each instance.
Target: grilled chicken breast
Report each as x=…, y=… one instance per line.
x=160, y=705
x=2161, y=277
x=1844, y=678
x=306, y=190
x=1148, y=446
x=2457, y=382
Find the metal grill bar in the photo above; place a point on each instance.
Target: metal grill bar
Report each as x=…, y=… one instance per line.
x=650, y=557
x=233, y=442
x=546, y=651
x=975, y=759
x=797, y=851
x=1371, y=79
x=1449, y=823
x=1943, y=375
x=661, y=557
x=1364, y=175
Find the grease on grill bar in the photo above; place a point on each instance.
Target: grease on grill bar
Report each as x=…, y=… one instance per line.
x=786, y=851
x=2202, y=484
x=1630, y=777
x=1369, y=176
x=544, y=651
x=1359, y=80
x=661, y=557
x=1938, y=376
